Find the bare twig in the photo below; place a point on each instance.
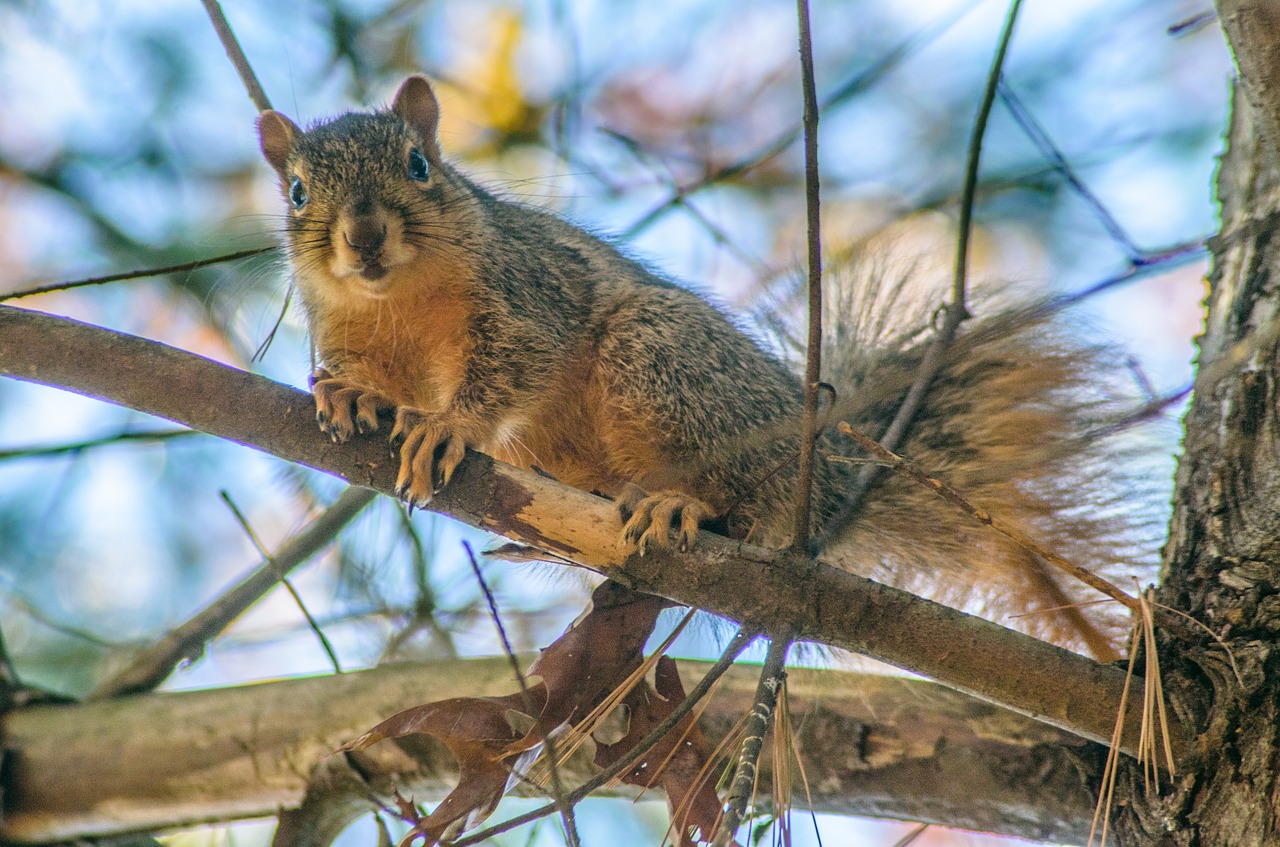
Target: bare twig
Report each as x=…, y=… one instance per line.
x=1166, y=259
x=744, y=776
x=965, y=225
x=813, y=365
x=325, y=644
x=186, y=641
x=557, y=785
x=910, y=838
x=105, y=441
x=739, y=643
x=956, y=312
x=297, y=598
x=855, y=84
x=136, y=274
x=236, y=55
x=1040, y=138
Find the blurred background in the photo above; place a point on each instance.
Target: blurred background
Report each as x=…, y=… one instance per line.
x=127, y=142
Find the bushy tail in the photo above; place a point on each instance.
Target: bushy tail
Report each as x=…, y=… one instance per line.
x=1014, y=421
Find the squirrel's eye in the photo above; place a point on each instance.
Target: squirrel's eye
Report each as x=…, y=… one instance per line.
x=418, y=170
x=297, y=194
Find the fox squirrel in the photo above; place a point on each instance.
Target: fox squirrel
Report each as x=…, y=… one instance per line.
x=484, y=323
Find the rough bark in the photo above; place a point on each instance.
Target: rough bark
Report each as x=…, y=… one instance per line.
x=1222, y=561
x=872, y=745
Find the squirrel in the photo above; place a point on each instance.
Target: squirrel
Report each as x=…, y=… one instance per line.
x=483, y=323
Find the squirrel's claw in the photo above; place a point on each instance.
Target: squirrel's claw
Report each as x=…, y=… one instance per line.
x=336, y=400
x=649, y=519
x=429, y=454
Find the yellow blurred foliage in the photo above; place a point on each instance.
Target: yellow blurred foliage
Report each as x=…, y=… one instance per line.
x=491, y=113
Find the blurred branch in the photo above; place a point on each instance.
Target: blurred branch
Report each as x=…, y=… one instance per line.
x=846, y=91
x=874, y=745
x=297, y=598
x=105, y=441
x=136, y=274
x=186, y=642
x=729, y=578
x=236, y=55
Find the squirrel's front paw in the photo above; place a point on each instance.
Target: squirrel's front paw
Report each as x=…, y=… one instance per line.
x=429, y=454
x=337, y=400
x=649, y=519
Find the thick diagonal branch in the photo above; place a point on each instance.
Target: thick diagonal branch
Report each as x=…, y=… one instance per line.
x=772, y=589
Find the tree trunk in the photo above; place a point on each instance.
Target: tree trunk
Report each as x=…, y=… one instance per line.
x=1221, y=563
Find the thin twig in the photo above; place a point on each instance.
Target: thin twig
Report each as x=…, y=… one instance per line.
x=744, y=776
x=911, y=836
x=946, y=492
x=187, y=640
x=956, y=311
x=1044, y=143
x=813, y=365
x=855, y=84
x=105, y=441
x=236, y=55
x=136, y=274
x=557, y=785
x=261, y=352
x=297, y=598
x=739, y=643
x=965, y=225
x=799, y=756
x=1153, y=408
x=1149, y=262
x=314, y=624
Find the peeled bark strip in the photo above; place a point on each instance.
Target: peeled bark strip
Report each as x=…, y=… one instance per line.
x=872, y=745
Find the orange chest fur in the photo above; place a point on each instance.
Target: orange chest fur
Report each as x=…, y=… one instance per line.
x=412, y=346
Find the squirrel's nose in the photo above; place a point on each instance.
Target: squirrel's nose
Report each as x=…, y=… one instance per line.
x=365, y=235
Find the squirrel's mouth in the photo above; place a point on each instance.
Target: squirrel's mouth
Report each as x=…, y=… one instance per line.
x=373, y=271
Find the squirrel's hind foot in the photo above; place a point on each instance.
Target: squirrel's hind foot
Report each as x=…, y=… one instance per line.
x=649, y=519
x=429, y=454
x=337, y=399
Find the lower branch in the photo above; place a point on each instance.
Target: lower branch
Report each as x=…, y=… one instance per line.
x=872, y=745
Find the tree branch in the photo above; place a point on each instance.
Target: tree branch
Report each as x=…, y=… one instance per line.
x=187, y=641
x=772, y=589
x=873, y=745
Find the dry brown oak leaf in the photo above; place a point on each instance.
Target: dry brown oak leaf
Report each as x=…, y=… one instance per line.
x=677, y=764
x=582, y=667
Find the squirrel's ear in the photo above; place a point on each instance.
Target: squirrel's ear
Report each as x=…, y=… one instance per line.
x=276, y=134
x=416, y=104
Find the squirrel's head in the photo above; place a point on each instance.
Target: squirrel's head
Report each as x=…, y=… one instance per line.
x=366, y=193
